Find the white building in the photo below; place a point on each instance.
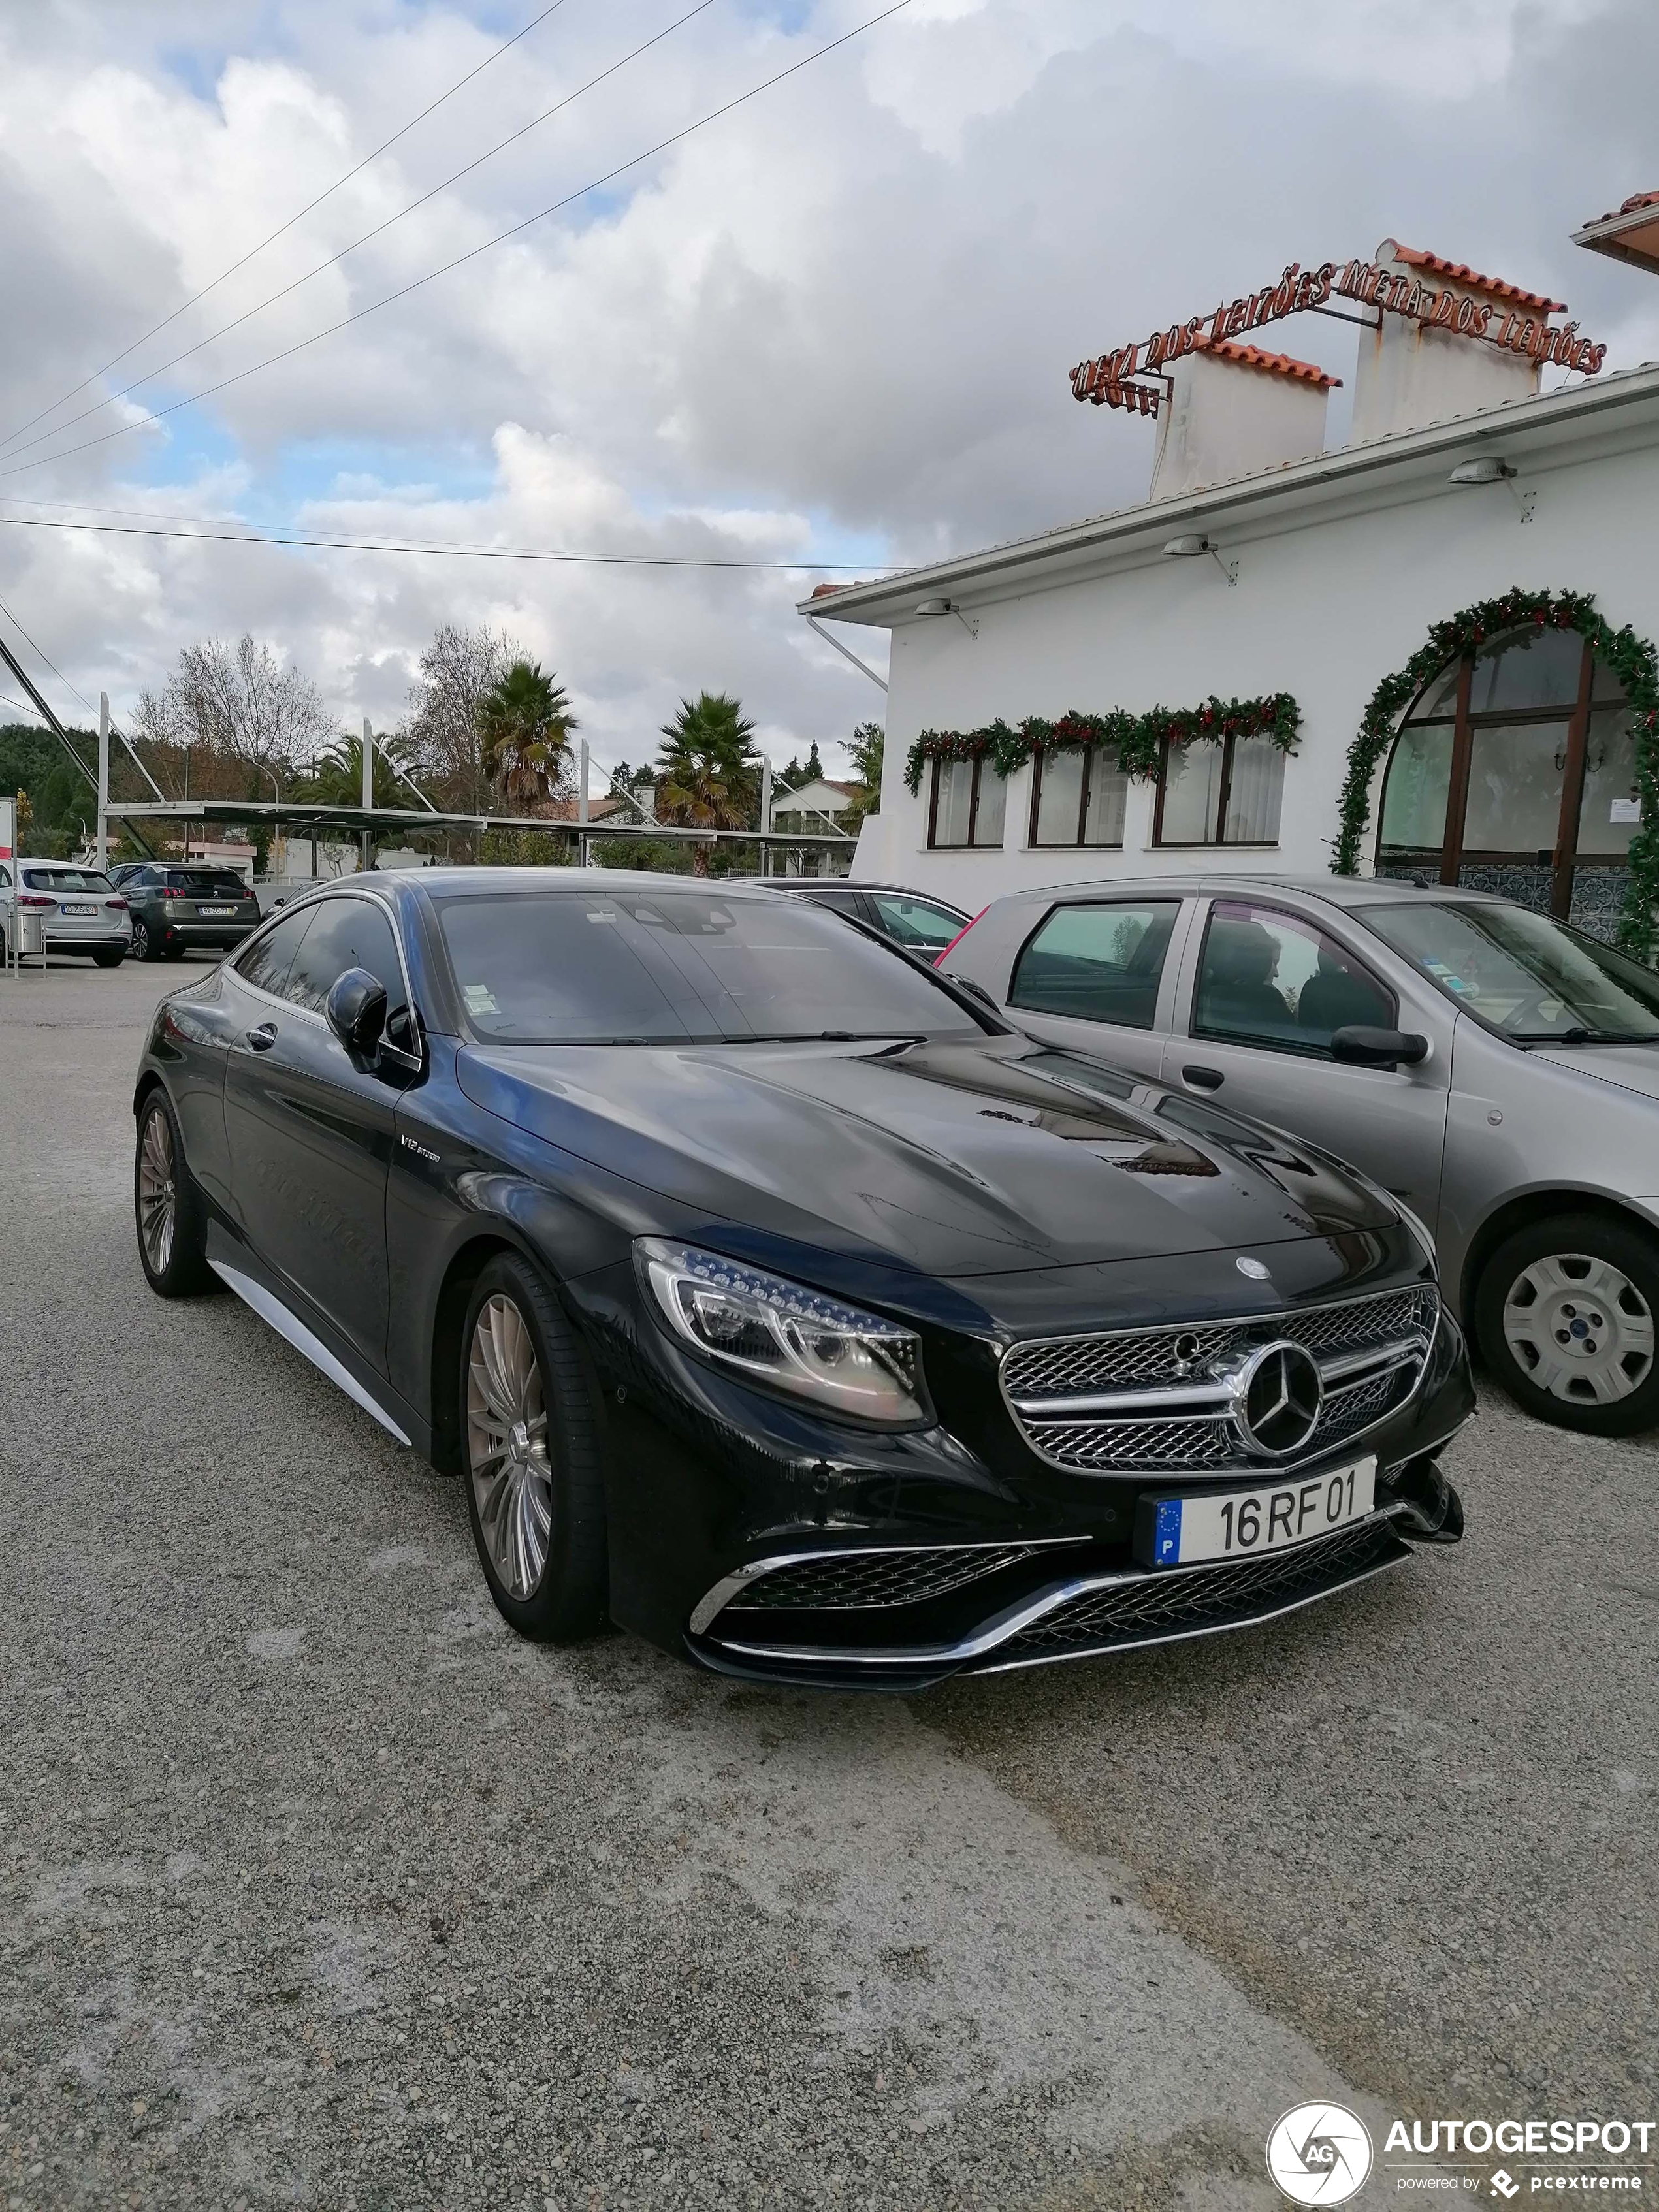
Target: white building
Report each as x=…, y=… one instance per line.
x=1261, y=564
x=816, y=809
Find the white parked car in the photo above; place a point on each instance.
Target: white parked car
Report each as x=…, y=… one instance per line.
x=81, y=910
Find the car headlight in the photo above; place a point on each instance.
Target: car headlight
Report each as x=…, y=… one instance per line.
x=782, y=1333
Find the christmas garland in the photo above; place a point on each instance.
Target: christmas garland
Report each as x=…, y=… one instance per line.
x=1631, y=660
x=1139, y=739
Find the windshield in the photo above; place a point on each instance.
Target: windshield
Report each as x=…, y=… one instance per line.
x=592, y=966
x=68, y=879
x=1527, y=976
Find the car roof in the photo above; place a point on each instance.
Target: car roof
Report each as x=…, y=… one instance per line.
x=474, y=882
x=1335, y=891
x=808, y=884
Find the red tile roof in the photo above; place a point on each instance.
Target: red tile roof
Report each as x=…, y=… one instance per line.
x=1460, y=273
x=1277, y=364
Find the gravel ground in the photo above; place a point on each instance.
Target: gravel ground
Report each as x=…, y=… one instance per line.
x=321, y=1888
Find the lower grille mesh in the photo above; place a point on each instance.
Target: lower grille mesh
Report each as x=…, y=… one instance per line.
x=856, y=1579
x=1166, y=1605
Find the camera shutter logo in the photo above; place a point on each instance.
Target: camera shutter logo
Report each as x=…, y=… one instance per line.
x=1319, y=2154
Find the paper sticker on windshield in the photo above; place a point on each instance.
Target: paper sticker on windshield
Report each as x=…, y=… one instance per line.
x=479, y=999
x=602, y=913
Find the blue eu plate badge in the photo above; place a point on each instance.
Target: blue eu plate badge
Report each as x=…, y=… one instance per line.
x=1166, y=1532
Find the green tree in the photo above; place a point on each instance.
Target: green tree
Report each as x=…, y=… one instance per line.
x=335, y=778
x=708, y=771
x=525, y=723
x=865, y=749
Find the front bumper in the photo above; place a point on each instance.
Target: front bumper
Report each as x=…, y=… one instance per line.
x=762, y=1542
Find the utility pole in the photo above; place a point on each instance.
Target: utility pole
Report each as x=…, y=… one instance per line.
x=582, y=801
x=766, y=813
x=369, y=789
x=103, y=782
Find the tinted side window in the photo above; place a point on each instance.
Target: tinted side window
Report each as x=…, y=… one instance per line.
x=345, y=933
x=1098, y=964
x=1269, y=978
x=268, y=959
x=915, y=921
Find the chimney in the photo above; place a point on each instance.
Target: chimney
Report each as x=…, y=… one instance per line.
x=1411, y=373
x=1234, y=408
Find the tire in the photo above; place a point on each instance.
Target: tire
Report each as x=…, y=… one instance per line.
x=144, y=945
x=173, y=1252
x=530, y=1457
x=1565, y=1314
x=107, y=959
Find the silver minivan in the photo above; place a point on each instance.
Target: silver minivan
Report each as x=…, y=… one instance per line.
x=1494, y=1069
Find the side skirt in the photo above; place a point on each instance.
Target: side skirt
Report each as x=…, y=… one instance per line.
x=232, y=1271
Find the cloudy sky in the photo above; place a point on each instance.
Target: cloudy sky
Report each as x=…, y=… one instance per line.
x=833, y=327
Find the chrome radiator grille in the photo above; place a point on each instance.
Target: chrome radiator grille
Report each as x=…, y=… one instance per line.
x=1168, y=1401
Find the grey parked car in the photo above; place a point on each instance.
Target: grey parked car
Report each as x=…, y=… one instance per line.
x=81, y=910
x=1496, y=1070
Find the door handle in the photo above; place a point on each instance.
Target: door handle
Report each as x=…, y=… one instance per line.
x=263, y=1037
x=1203, y=1078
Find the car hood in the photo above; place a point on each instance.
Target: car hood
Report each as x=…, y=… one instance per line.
x=1630, y=1067
x=957, y=1158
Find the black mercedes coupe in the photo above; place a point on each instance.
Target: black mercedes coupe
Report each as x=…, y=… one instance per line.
x=778, y=1301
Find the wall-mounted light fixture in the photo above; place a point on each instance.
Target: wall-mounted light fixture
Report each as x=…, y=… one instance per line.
x=1193, y=546
x=948, y=607
x=1492, y=469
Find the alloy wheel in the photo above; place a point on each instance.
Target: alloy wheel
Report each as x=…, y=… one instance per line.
x=1579, y=1328
x=158, y=1191
x=140, y=941
x=507, y=1445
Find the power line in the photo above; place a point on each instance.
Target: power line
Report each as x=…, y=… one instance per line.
x=260, y=306
x=23, y=707
x=336, y=542
x=472, y=253
x=282, y=228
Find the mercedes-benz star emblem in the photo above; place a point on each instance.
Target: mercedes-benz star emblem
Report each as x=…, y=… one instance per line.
x=1280, y=1393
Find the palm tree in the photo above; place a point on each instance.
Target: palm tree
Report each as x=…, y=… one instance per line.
x=865, y=746
x=335, y=778
x=707, y=773
x=526, y=723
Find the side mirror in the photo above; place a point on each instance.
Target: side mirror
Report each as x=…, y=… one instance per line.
x=1359, y=1046
x=355, y=1011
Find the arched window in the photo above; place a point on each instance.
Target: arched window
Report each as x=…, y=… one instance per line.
x=1516, y=772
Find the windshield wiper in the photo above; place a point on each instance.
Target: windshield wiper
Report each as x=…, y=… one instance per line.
x=829, y=1036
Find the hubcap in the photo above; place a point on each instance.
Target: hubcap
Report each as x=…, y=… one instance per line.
x=507, y=1445
x=1579, y=1328
x=158, y=1197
